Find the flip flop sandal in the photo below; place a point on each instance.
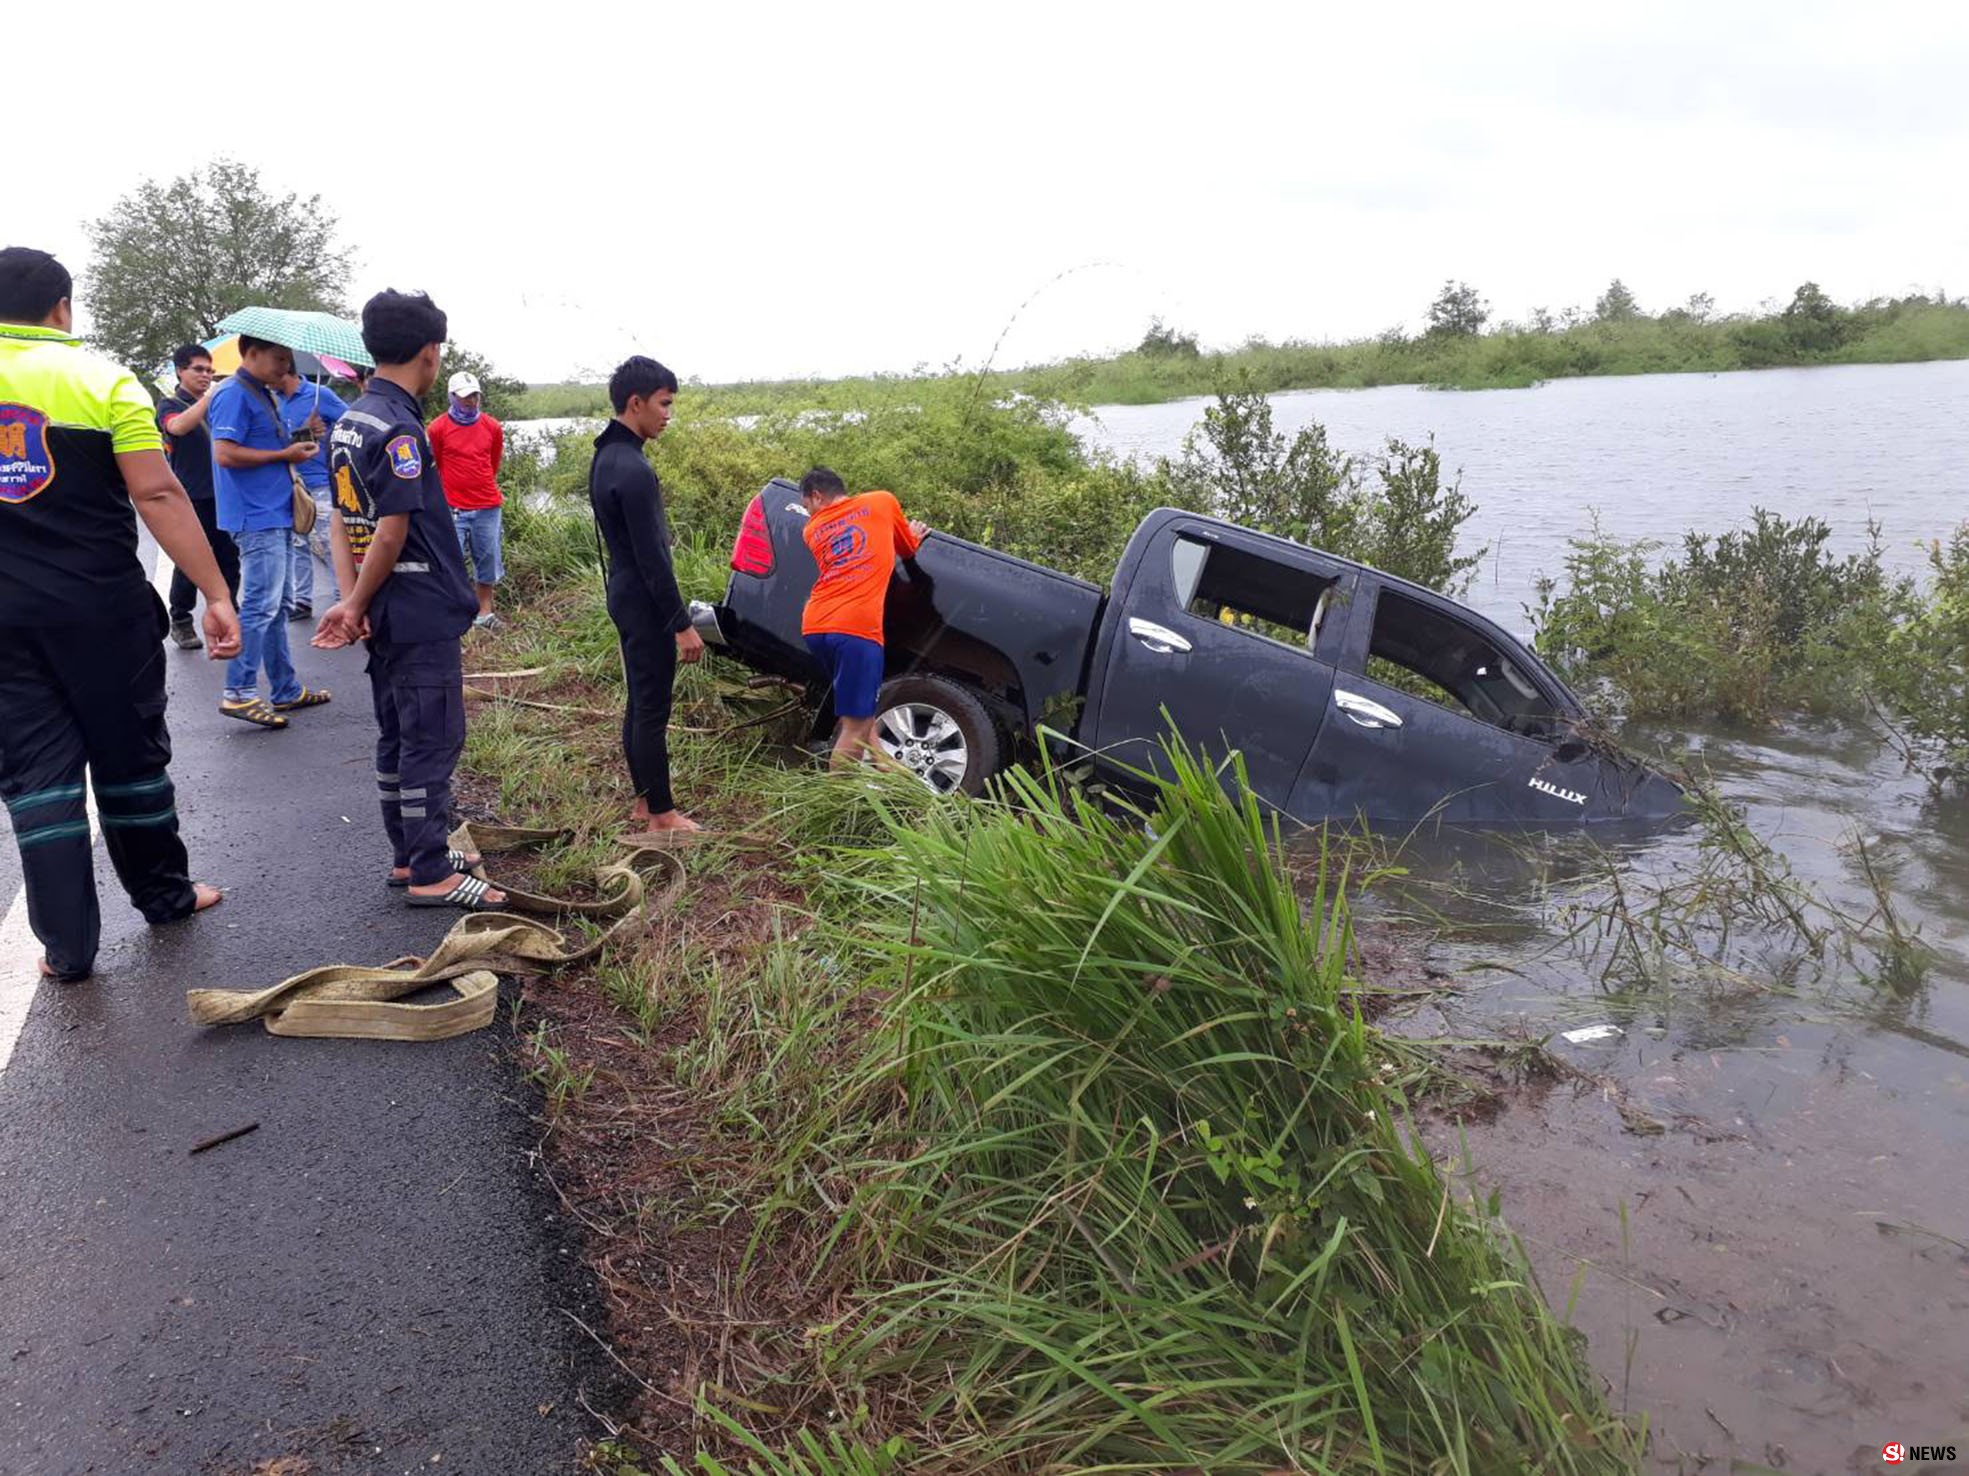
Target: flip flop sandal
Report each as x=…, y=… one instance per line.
x=470, y=894
x=309, y=698
x=255, y=710
x=456, y=860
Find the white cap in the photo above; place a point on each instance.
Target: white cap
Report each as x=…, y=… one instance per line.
x=464, y=383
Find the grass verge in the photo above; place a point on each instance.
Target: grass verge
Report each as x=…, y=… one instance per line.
x=1017, y=1135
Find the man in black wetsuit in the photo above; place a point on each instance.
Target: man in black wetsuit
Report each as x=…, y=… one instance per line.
x=643, y=599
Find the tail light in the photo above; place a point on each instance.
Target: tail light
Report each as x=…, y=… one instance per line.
x=753, y=553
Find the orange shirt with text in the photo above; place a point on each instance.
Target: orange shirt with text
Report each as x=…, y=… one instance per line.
x=855, y=542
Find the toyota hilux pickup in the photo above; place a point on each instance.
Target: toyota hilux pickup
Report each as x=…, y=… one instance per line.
x=1350, y=695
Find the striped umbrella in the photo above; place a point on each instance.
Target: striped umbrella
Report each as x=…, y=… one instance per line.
x=317, y=333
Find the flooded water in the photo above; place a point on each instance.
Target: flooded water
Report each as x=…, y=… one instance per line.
x=1758, y=1178
x=1655, y=454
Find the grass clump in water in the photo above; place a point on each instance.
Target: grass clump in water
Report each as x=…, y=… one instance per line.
x=1145, y=1199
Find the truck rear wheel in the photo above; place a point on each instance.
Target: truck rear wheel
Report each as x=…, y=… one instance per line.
x=939, y=732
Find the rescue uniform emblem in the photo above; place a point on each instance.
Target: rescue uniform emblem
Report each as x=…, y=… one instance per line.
x=27, y=461
x=405, y=460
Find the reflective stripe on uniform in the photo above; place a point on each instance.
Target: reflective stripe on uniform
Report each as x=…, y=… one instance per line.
x=67, y=830
x=44, y=797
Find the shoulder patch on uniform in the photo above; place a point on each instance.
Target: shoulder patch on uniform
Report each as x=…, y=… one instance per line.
x=27, y=461
x=406, y=460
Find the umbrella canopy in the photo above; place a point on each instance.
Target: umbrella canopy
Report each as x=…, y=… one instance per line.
x=317, y=333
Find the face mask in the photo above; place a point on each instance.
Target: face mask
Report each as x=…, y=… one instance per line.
x=461, y=412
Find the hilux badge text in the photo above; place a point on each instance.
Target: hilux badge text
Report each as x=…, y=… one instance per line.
x=1552, y=789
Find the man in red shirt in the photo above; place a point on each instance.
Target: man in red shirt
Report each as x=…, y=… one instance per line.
x=467, y=446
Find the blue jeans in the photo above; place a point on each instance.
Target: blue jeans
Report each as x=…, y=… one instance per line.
x=266, y=576
x=478, y=539
x=307, y=550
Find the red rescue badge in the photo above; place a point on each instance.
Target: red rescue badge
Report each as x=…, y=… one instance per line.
x=27, y=461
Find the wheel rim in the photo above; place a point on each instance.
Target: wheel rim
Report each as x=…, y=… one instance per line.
x=926, y=741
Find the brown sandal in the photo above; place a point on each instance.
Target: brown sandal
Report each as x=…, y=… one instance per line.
x=309, y=698
x=254, y=710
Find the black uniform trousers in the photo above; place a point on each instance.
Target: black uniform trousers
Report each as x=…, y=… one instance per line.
x=419, y=691
x=649, y=668
x=89, y=696
x=184, y=594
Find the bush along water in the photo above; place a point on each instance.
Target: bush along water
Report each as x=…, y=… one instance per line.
x=1761, y=623
x=1743, y=626
x=1237, y=465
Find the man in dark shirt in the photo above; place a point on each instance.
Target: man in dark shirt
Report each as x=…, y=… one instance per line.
x=404, y=589
x=81, y=678
x=182, y=419
x=649, y=613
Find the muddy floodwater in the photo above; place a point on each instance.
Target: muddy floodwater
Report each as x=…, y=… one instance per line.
x=1752, y=1191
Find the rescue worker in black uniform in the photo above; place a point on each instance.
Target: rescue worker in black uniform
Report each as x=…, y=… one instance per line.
x=404, y=589
x=81, y=671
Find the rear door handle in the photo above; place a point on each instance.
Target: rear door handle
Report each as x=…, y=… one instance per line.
x=1367, y=713
x=1158, y=638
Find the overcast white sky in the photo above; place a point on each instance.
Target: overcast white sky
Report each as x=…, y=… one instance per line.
x=771, y=189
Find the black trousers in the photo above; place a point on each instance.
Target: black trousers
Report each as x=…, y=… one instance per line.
x=89, y=696
x=184, y=594
x=419, y=691
x=649, y=666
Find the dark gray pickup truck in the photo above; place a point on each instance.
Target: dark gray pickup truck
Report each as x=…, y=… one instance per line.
x=1313, y=667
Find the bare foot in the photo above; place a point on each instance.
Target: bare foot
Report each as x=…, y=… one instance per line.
x=208, y=896
x=494, y=897
x=666, y=829
x=48, y=972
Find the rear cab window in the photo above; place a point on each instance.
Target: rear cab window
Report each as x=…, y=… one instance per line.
x=1429, y=653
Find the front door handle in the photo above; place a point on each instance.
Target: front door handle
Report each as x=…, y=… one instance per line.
x=1367, y=713
x=1158, y=638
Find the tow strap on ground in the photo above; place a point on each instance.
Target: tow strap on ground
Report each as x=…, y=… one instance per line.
x=353, y=1002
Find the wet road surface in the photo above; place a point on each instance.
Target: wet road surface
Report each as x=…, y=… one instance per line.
x=377, y=1278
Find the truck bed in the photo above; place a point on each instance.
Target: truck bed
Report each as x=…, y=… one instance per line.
x=1022, y=633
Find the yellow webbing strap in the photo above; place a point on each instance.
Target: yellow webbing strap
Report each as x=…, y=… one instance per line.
x=348, y=1000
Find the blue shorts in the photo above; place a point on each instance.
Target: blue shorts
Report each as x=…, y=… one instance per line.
x=854, y=664
x=478, y=538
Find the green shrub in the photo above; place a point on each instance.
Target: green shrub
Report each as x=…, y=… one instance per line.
x=1744, y=626
x=1236, y=465
x=1925, y=676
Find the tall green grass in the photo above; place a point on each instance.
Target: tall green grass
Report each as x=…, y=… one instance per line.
x=1143, y=1195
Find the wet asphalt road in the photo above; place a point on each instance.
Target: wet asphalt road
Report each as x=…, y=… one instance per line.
x=377, y=1277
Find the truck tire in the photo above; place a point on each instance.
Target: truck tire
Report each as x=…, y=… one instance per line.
x=939, y=732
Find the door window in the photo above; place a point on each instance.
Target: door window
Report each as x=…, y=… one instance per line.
x=1248, y=592
x=1429, y=653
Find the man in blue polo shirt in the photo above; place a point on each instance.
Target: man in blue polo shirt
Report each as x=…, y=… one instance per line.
x=253, y=475
x=307, y=410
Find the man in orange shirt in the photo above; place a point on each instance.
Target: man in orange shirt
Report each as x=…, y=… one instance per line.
x=855, y=541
